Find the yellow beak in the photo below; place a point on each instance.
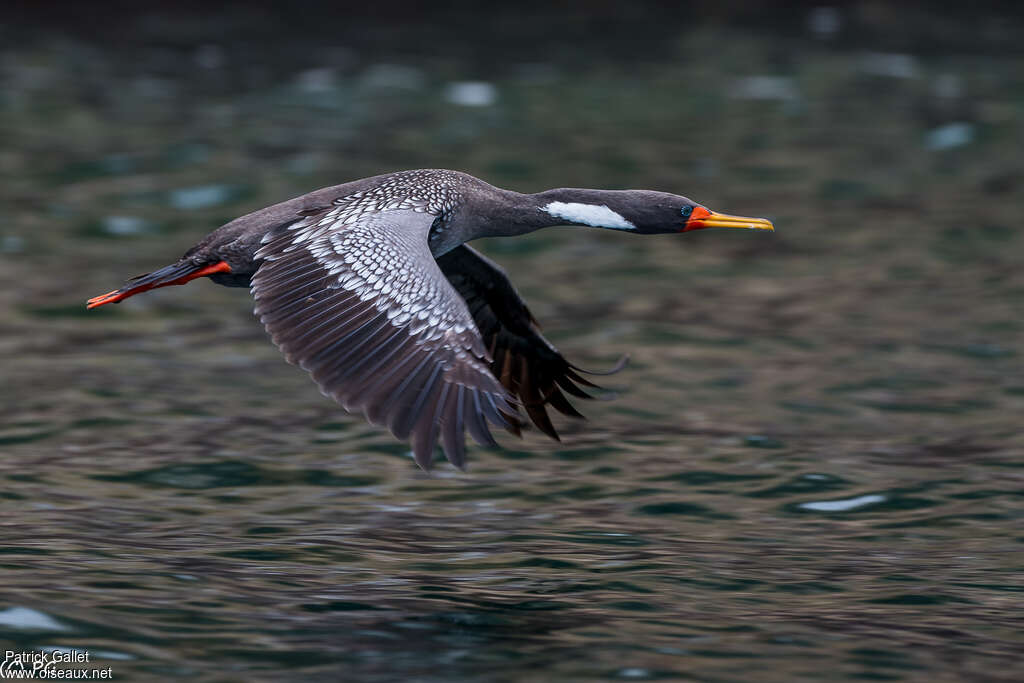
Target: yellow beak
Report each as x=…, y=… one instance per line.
x=702, y=218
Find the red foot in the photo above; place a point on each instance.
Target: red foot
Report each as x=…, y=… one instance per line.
x=121, y=294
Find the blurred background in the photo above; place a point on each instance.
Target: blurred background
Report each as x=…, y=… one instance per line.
x=812, y=468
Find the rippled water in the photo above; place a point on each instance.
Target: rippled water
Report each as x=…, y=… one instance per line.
x=812, y=468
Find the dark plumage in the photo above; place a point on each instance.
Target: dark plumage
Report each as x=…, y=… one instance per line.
x=370, y=288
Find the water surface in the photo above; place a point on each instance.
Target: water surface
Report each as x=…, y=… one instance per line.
x=812, y=468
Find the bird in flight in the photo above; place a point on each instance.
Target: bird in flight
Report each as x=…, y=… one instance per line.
x=370, y=287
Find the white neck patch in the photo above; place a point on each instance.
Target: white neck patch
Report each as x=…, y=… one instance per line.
x=588, y=214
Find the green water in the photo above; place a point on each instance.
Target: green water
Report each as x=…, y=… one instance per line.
x=811, y=470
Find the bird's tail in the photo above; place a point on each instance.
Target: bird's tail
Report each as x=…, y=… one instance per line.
x=178, y=274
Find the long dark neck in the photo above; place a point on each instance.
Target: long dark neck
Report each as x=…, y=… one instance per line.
x=517, y=214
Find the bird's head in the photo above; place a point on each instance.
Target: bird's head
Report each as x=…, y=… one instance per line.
x=641, y=211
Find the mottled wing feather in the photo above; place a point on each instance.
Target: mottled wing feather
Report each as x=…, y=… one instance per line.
x=357, y=300
x=521, y=358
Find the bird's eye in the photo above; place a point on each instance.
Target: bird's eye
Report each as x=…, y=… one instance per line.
x=687, y=210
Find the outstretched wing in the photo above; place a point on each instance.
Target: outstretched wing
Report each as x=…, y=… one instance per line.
x=525, y=362
x=360, y=303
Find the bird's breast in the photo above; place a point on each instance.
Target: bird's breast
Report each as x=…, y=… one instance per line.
x=443, y=237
